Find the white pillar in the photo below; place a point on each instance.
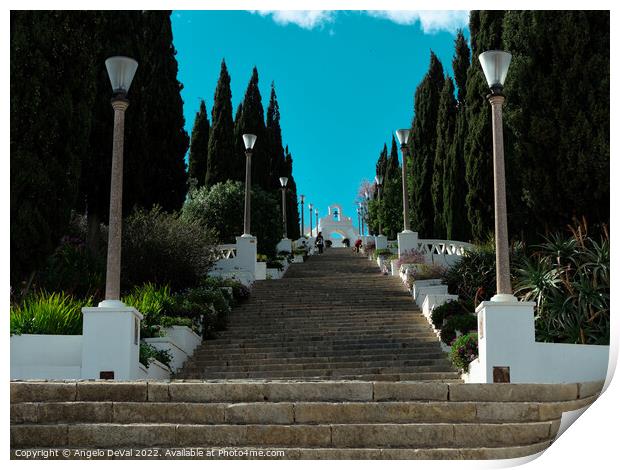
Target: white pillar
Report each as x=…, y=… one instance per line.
x=381, y=242
x=111, y=343
x=284, y=245
x=407, y=241
x=246, y=254
x=505, y=339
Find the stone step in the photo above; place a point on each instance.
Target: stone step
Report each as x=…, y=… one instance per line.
x=293, y=390
x=423, y=435
x=282, y=413
x=258, y=366
x=358, y=374
x=207, y=360
x=328, y=350
x=322, y=341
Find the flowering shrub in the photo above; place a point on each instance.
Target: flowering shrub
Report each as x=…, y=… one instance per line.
x=464, y=351
x=410, y=257
x=458, y=323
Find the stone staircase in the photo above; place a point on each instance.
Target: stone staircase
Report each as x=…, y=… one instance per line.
x=330, y=362
x=333, y=317
x=288, y=419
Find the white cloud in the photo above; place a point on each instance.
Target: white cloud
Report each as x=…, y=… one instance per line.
x=430, y=21
x=306, y=19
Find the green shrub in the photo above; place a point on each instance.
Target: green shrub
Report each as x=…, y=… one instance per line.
x=383, y=252
x=463, y=323
x=43, y=313
x=165, y=249
x=273, y=264
x=148, y=352
x=74, y=270
x=221, y=207
x=569, y=279
x=152, y=302
x=207, y=305
x=464, y=351
x=447, y=310
x=428, y=271
x=472, y=277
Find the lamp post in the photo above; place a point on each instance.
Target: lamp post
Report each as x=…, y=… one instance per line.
x=283, y=181
x=359, y=222
x=361, y=209
x=310, y=208
x=367, y=196
x=316, y=221
x=495, y=67
x=302, y=197
x=249, y=140
x=121, y=71
x=379, y=181
x=403, y=137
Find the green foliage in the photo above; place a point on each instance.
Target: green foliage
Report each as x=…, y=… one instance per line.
x=52, y=72
x=45, y=313
x=472, y=277
x=569, y=279
x=464, y=351
x=151, y=301
x=447, y=310
x=383, y=252
x=148, y=352
x=557, y=118
x=422, y=145
x=428, y=271
x=221, y=207
x=446, y=116
x=250, y=120
x=463, y=323
x=199, y=147
x=223, y=162
x=74, y=270
x=292, y=210
x=486, y=32
x=392, y=196
x=165, y=249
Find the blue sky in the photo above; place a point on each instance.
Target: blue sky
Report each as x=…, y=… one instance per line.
x=345, y=81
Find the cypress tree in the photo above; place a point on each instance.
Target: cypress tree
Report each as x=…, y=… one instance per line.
x=422, y=144
x=382, y=162
x=199, y=146
x=455, y=186
x=557, y=118
x=486, y=32
x=275, y=153
x=222, y=159
x=251, y=120
x=392, y=195
x=53, y=70
x=156, y=158
x=446, y=116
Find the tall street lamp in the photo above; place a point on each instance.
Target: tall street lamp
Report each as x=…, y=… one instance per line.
x=249, y=140
x=283, y=181
x=495, y=67
x=361, y=209
x=310, y=208
x=302, y=197
x=359, y=222
x=367, y=196
x=379, y=181
x=316, y=221
x=121, y=71
x=403, y=137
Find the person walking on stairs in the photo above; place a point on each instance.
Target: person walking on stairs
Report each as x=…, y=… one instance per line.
x=319, y=242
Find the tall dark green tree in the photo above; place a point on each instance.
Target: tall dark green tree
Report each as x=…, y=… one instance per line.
x=446, y=117
x=557, y=118
x=486, y=33
x=222, y=159
x=275, y=152
x=53, y=71
x=199, y=146
x=251, y=120
x=156, y=172
x=392, y=195
x=155, y=139
x=382, y=162
x=455, y=185
x=422, y=144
